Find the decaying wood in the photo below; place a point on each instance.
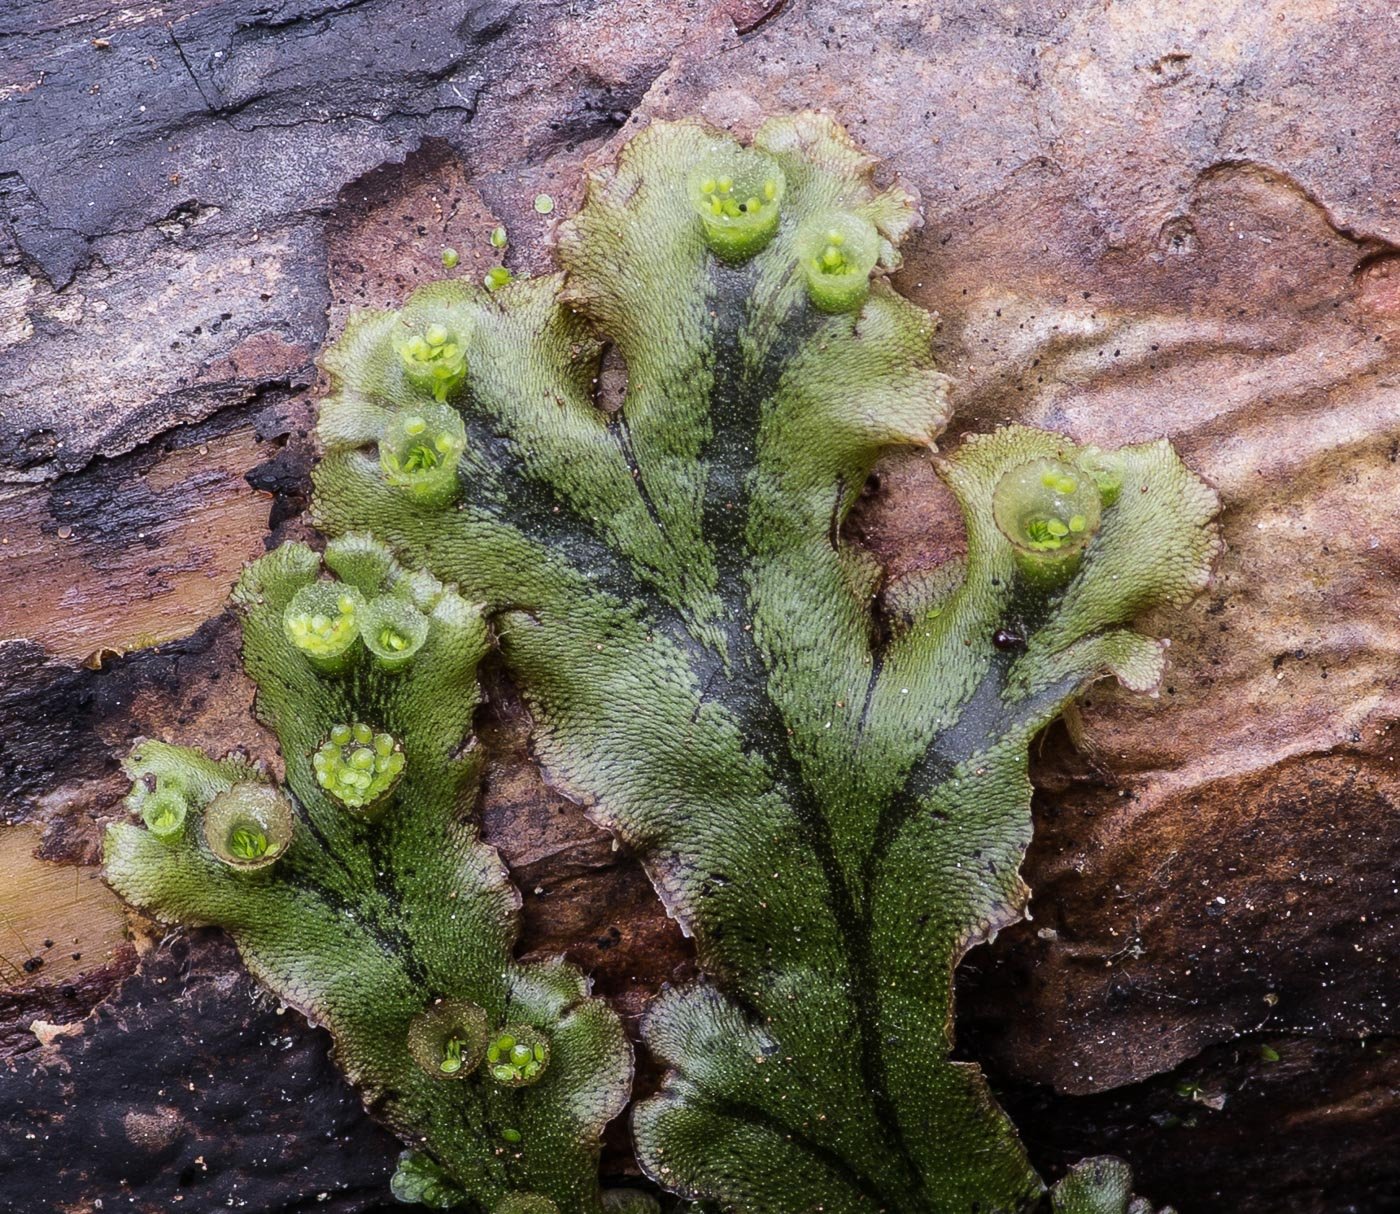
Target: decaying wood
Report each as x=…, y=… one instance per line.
x=1143, y=218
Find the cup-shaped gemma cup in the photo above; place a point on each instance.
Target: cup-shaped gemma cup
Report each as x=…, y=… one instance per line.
x=738, y=194
x=360, y=767
x=393, y=631
x=448, y=1041
x=433, y=354
x=836, y=252
x=323, y=622
x=419, y=450
x=1049, y=510
x=248, y=826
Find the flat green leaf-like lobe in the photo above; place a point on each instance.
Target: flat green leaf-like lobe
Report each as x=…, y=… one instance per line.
x=835, y=806
x=365, y=923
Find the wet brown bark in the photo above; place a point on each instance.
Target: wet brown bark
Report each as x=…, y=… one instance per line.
x=1142, y=218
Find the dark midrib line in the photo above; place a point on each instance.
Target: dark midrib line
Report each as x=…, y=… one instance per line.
x=355, y=689
x=984, y=719
x=522, y=497
x=515, y=497
x=391, y=939
x=737, y=400
x=624, y=442
x=834, y=1163
x=519, y=498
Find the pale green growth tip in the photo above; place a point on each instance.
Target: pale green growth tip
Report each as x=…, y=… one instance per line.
x=434, y=360
x=518, y=1055
x=359, y=560
x=836, y=253
x=450, y=259
x=544, y=204
x=499, y=239
x=419, y=1180
x=1048, y=510
x=323, y=622
x=393, y=630
x=448, y=1041
x=419, y=451
x=248, y=826
x=497, y=277
x=737, y=193
x=359, y=766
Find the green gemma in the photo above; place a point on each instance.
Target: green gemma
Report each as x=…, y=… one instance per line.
x=823, y=770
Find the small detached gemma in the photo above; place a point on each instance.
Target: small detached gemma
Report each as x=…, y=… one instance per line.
x=738, y=194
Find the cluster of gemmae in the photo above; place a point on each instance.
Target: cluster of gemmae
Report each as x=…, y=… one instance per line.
x=358, y=766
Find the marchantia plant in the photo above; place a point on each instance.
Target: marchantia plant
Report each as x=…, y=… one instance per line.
x=828, y=785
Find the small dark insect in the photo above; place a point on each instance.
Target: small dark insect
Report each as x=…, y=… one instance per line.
x=1004, y=638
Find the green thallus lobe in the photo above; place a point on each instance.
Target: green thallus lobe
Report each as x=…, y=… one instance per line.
x=359, y=925
x=525, y=1203
x=359, y=766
